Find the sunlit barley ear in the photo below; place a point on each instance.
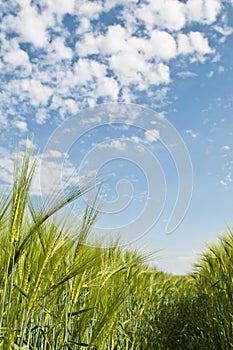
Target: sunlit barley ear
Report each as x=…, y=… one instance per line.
x=23, y=176
x=29, y=235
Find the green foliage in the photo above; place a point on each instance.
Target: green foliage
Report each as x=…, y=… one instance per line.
x=58, y=293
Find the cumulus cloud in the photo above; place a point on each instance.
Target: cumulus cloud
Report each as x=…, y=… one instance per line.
x=161, y=45
x=193, y=42
x=60, y=7
x=87, y=70
x=204, y=11
x=37, y=91
x=41, y=116
x=21, y=125
x=168, y=14
x=59, y=60
x=58, y=51
x=29, y=24
x=15, y=56
x=108, y=87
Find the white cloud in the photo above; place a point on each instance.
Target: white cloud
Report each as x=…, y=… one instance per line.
x=51, y=154
x=191, y=133
x=66, y=69
x=221, y=69
x=128, y=67
x=152, y=135
x=58, y=51
x=217, y=58
x=136, y=139
x=38, y=92
x=70, y=105
x=160, y=74
x=30, y=25
x=86, y=70
x=116, y=144
x=108, y=87
x=210, y=74
x=114, y=41
x=187, y=74
x=41, y=116
x=203, y=11
x=121, y=145
x=199, y=43
x=164, y=14
x=225, y=148
x=110, y=4
x=61, y=7
x=225, y=31
x=223, y=183
x=84, y=26
x=193, y=43
x=21, y=125
x=126, y=95
x=161, y=45
x=3, y=121
x=89, y=9
x=16, y=57
x=88, y=45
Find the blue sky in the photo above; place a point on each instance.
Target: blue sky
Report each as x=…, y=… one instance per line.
x=59, y=58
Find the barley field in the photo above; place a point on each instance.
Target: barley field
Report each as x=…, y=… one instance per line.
x=56, y=292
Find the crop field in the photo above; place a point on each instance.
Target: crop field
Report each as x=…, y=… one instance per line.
x=56, y=292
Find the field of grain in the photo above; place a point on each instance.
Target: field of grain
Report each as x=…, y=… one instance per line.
x=58, y=293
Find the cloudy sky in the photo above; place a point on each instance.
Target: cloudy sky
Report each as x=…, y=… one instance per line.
x=173, y=57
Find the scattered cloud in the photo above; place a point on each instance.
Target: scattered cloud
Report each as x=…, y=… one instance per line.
x=116, y=144
x=225, y=148
x=210, y=74
x=3, y=121
x=152, y=135
x=41, y=116
x=194, y=43
x=187, y=74
x=223, y=183
x=221, y=69
x=216, y=58
x=226, y=181
x=203, y=11
x=168, y=15
x=191, y=133
x=225, y=31
x=21, y=125
x=58, y=60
